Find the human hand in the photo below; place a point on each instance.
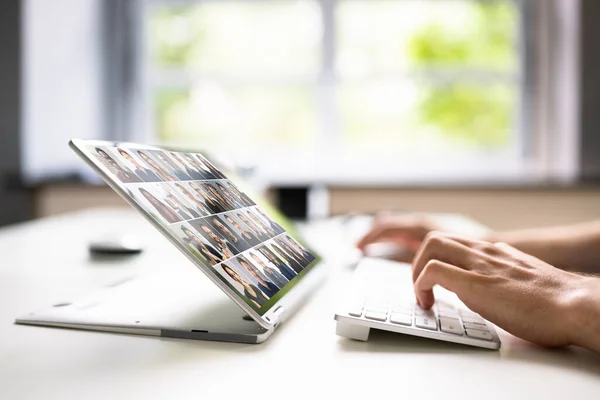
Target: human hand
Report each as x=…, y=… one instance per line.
x=406, y=230
x=518, y=292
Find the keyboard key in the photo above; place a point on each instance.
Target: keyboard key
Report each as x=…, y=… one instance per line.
x=451, y=325
x=477, y=327
x=401, y=319
x=448, y=313
x=424, y=313
x=355, y=311
x=474, y=320
x=467, y=313
x=376, y=308
x=426, y=323
x=479, y=334
x=445, y=306
x=377, y=316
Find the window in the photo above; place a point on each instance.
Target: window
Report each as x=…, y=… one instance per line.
x=343, y=90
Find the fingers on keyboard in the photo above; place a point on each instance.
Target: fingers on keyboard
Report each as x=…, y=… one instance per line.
x=442, y=317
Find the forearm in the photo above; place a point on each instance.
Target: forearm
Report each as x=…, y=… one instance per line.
x=574, y=248
x=583, y=314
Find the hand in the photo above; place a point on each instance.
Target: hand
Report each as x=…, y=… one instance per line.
x=516, y=291
x=407, y=231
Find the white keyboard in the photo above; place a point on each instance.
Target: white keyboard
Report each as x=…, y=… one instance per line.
x=397, y=312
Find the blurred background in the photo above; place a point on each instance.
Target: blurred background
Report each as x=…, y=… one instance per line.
x=487, y=108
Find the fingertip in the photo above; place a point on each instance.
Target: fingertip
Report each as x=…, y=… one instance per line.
x=425, y=299
x=361, y=246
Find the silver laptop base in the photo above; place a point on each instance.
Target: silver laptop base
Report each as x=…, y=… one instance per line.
x=157, y=305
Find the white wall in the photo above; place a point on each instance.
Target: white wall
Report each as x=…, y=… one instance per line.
x=62, y=81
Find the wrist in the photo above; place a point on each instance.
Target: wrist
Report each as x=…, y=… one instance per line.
x=581, y=313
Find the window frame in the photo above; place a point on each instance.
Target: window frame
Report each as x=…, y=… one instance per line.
x=527, y=165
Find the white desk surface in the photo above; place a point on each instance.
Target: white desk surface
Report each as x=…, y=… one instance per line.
x=47, y=260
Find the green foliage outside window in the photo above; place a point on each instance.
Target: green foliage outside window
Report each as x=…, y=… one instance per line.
x=442, y=55
x=478, y=113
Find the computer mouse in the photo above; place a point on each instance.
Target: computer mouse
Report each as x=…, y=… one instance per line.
x=116, y=244
x=384, y=250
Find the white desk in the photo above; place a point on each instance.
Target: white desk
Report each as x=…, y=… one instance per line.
x=45, y=261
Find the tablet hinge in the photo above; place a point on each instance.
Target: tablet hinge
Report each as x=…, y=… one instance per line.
x=277, y=313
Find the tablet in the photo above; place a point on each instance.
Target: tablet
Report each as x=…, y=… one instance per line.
x=238, y=241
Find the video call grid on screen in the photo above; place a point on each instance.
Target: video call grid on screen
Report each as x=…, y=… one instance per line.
x=215, y=221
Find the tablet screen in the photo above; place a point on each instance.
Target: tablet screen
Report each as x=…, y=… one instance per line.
x=224, y=229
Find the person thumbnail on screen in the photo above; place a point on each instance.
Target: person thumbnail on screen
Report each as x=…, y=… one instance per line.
x=204, y=172
x=223, y=245
x=252, y=293
x=270, y=271
x=210, y=255
x=164, y=158
x=220, y=197
x=122, y=173
x=145, y=174
x=274, y=225
x=262, y=224
x=247, y=201
x=277, y=262
x=221, y=226
x=263, y=283
x=296, y=264
x=241, y=230
x=292, y=252
x=229, y=196
x=158, y=169
x=299, y=250
x=190, y=171
x=208, y=165
x=178, y=205
x=263, y=236
x=212, y=204
x=198, y=206
x=169, y=215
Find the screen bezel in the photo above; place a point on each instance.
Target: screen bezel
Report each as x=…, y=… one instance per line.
x=267, y=319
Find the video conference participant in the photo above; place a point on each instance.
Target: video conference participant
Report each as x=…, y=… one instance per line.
x=300, y=250
x=178, y=207
x=303, y=261
x=235, y=239
x=143, y=173
x=122, y=173
x=212, y=204
x=295, y=264
x=274, y=225
x=277, y=262
x=158, y=169
x=169, y=215
x=264, y=284
x=259, y=233
x=272, y=274
x=205, y=172
x=223, y=245
x=250, y=291
x=242, y=232
x=173, y=168
x=220, y=197
x=270, y=231
x=189, y=171
x=210, y=167
x=231, y=199
x=212, y=256
x=200, y=206
x=241, y=195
